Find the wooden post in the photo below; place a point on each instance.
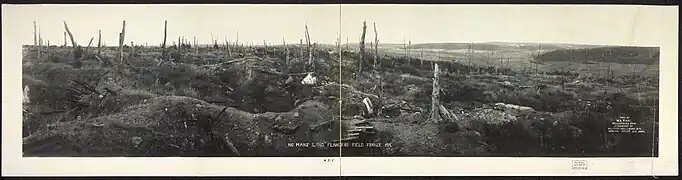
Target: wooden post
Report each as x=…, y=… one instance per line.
x=164, y=53
x=121, y=39
x=376, y=46
x=362, y=46
x=99, y=42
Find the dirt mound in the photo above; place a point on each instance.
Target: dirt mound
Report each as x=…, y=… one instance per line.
x=183, y=126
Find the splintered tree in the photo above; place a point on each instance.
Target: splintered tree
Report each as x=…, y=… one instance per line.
x=421, y=57
x=35, y=34
x=164, y=54
x=227, y=47
x=409, y=45
x=236, y=43
x=376, y=46
x=265, y=48
x=65, y=44
x=99, y=42
x=121, y=40
x=310, y=51
x=362, y=46
x=40, y=45
x=180, y=44
x=286, y=55
x=434, y=94
x=132, y=50
x=76, y=50
x=196, y=46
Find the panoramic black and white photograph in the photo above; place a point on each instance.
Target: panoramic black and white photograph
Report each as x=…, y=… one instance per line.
x=309, y=81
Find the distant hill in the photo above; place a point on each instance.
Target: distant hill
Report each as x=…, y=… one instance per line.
x=622, y=55
x=489, y=46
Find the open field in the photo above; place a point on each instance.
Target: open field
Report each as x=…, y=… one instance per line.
x=309, y=100
x=588, y=60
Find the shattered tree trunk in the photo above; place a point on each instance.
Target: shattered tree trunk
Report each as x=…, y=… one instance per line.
x=227, y=47
x=164, y=53
x=286, y=55
x=40, y=46
x=421, y=57
x=362, y=46
x=347, y=44
x=132, y=50
x=121, y=39
x=434, y=95
x=376, y=46
x=310, y=50
x=196, y=45
x=236, y=43
x=65, y=44
x=99, y=42
x=73, y=43
x=89, y=44
x=300, y=45
x=409, y=44
x=212, y=39
x=35, y=33
x=265, y=48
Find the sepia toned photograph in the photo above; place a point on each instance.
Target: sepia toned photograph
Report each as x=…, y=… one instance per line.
x=182, y=96
x=336, y=81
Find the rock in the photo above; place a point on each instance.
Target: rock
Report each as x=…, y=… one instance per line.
x=309, y=79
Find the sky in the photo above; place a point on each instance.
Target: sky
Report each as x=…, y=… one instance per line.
x=604, y=25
